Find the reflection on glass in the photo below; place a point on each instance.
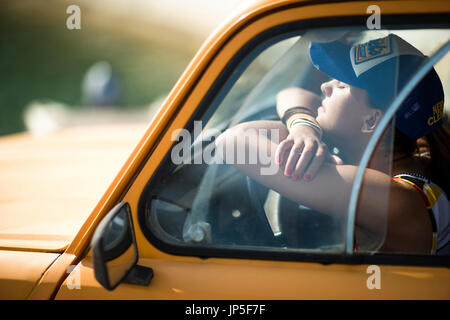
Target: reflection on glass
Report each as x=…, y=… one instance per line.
x=119, y=266
x=118, y=246
x=296, y=124
x=116, y=231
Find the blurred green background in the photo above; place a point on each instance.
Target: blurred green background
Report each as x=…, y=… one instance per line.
x=42, y=60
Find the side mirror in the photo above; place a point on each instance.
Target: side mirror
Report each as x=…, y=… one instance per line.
x=114, y=247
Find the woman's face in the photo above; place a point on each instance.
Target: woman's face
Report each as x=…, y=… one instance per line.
x=343, y=110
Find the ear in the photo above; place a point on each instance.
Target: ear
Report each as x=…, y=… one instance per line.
x=371, y=121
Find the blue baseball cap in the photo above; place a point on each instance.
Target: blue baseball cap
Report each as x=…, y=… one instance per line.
x=383, y=67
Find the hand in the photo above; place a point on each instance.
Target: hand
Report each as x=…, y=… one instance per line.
x=303, y=153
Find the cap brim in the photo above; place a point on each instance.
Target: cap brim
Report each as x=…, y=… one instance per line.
x=333, y=59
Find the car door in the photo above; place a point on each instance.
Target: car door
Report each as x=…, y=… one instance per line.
x=208, y=231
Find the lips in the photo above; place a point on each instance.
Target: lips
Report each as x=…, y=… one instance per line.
x=323, y=106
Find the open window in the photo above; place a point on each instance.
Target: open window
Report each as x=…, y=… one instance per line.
x=426, y=170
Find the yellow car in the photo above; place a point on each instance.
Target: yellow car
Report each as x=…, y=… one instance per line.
x=177, y=223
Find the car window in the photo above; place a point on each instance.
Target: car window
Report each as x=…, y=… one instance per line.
x=427, y=170
x=238, y=199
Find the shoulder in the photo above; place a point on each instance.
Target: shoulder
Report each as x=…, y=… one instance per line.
x=417, y=165
x=409, y=227
x=405, y=198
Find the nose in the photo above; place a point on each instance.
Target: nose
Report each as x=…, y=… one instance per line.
x=326, y=88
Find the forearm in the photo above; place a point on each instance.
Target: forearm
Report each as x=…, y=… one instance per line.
x=330, y=190
x=382, y=201
x=296, y=97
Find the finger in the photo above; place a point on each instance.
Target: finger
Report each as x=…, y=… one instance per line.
x=316, y=163
x=295, y=153
x=305, y=158
x=281, y=151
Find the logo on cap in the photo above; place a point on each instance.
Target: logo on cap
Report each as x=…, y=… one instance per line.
x=372, y=49
x=438, y=113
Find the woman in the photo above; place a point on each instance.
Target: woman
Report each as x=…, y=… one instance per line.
x=367, y=77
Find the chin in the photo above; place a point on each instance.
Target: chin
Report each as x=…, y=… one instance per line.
x=321, y=121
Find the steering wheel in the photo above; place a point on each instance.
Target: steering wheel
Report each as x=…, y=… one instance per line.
x=318, y=230
x=259, y=193
x=197, y=229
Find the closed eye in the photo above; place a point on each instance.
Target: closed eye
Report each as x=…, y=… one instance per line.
x=341, y=85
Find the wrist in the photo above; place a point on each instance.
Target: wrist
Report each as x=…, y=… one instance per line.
x=303, y=121
x=290, y=113
x=298, y=116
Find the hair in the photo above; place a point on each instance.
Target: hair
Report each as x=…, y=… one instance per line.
x=439, y=148
x=436, y=145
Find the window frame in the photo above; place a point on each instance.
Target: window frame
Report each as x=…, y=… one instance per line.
x=215, y=95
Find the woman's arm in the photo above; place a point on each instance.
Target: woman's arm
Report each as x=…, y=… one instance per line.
x=302, y=152
x=329, y=192
x=297, y=97
x=380, y=199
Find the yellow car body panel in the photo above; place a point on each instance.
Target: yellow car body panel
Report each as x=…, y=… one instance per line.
x=21, y=271
x=211, y=279
x=182, y=277
x=61, y=175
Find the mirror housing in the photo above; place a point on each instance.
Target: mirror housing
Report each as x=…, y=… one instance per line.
x=114, y=247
